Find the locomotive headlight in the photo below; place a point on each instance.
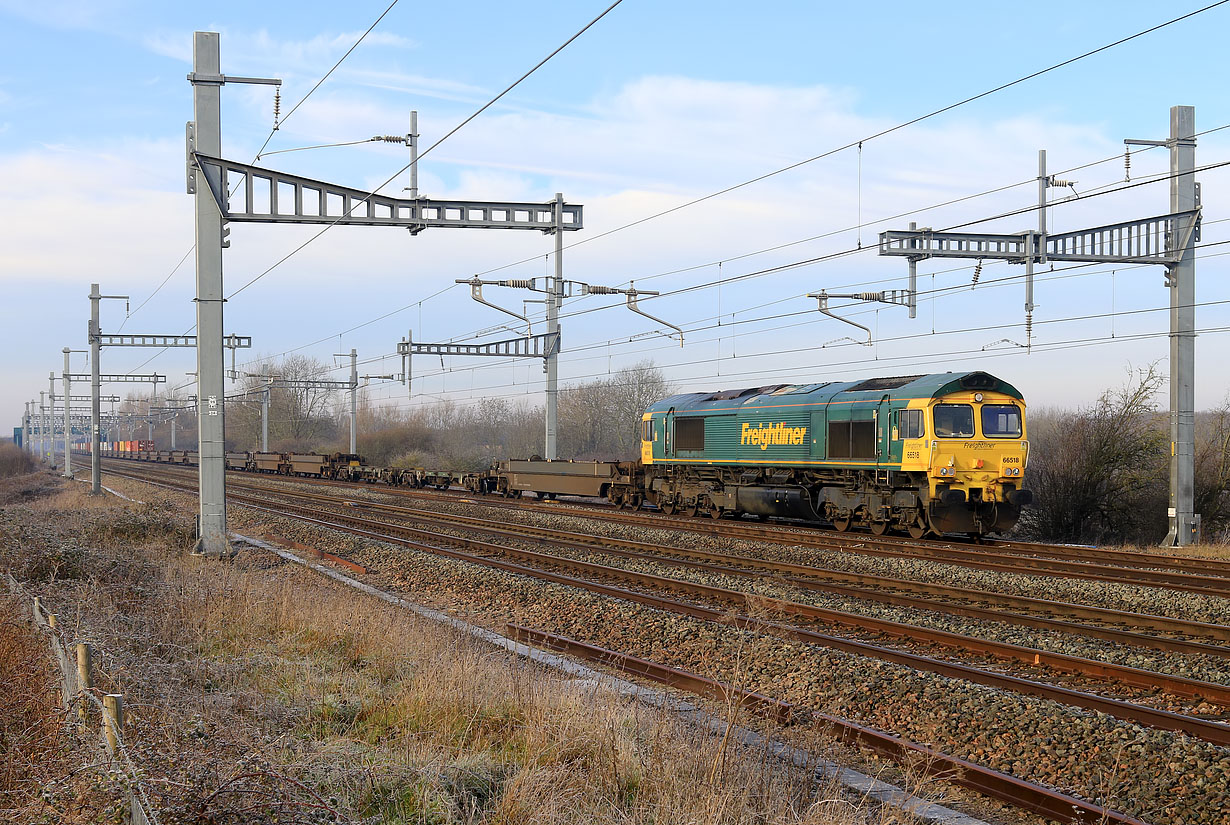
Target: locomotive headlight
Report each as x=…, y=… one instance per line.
x=978, y=396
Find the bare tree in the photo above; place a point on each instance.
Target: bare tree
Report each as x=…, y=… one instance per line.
x=1213, y=472
x=601, y=419
x=302, y=413
x=1099, y=473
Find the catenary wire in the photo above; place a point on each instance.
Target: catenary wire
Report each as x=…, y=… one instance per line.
x=881, y=133
x=905, y=361
x=268, y=138
x=897, y=216
x=967, y=100
x=428, y=150
x=925, y=297
x=855, y=250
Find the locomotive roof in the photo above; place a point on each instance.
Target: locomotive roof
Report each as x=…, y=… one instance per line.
x=864, y=389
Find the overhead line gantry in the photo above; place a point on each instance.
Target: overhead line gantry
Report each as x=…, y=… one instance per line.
x=1168, y=240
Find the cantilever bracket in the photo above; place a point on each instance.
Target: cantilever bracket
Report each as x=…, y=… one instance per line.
x=891, y=296
x=632, y=294
x=476, y=292
x=632, y=305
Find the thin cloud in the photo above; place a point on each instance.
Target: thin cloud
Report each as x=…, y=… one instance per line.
x=262, y=48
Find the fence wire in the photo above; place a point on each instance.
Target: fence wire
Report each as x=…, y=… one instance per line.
x=76, y=698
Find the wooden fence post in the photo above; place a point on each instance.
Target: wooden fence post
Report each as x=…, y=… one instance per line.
x=113, y=718
x=85, y=676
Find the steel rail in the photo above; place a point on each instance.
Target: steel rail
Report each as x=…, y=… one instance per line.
x=780, y=712
x=608, y=544
x=1028, y=796
x=1151, y=717
x=882, y=546
x=1004, y=562
x=1125, y=557
x=1057, y=552
x=1152, y=621
x=633, y=549
x=1136, y=677
x=1028, y=655
x=885, y=547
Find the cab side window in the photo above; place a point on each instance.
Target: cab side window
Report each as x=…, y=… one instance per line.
x=912, y=424
x=647, y=430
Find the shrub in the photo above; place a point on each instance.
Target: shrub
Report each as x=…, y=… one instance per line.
x=14, y=461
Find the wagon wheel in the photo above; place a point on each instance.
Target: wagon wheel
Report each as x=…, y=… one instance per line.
x=879, y=528
x=691, y=509
x=715, y=512
x=918, y=528
x=634, y=501
x=541, y=496
x=842, y=524
x=667, y=506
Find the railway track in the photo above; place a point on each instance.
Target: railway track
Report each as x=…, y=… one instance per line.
x=996, y=558
x=484, y=553
x=813, y=578
x=1028, y=796
x=943, y=598
x=638, y=588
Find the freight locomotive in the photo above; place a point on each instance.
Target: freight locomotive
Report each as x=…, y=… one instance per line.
x=943, y=453
x=921, y=454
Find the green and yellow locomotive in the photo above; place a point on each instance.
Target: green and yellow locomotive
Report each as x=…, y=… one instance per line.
x=941, y=453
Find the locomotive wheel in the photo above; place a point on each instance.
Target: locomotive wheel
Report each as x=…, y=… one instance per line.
x=918, y=529
x=879, y=528
x=841, y=525
x=715, y=512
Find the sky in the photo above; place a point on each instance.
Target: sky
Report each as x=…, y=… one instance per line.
x=654, y=107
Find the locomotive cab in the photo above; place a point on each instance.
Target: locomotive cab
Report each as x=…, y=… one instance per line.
x=974, y=450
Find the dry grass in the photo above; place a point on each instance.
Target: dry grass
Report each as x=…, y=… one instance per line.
x=405, y=722
x=1208, y=550
x=33, y=743
x=14, y=461
x=260, y=692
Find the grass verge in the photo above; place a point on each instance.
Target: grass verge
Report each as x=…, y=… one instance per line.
x=258, y=692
